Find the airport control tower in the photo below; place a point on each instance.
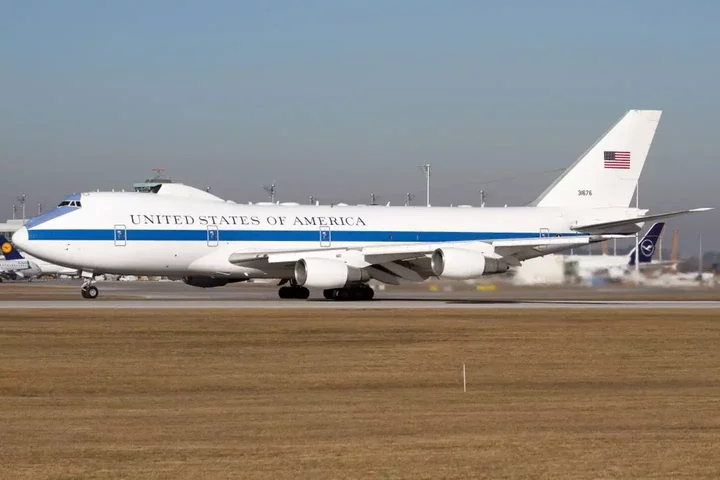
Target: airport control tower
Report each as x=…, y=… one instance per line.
x=152, y=185
x=160, y=184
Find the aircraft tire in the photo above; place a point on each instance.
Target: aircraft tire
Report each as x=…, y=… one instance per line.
x=329, y=294
x=369, y=294
x=91, y=292
x=294, y=292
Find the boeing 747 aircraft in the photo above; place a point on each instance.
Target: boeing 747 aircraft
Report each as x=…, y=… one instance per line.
x=211, y=243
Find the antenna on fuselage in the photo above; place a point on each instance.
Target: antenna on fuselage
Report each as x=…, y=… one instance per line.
x=270, y=189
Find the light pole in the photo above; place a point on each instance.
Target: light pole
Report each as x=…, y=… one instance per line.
x=426, y=171
x=270, y=189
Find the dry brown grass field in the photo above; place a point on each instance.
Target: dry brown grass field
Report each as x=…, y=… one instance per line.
x=360, y=394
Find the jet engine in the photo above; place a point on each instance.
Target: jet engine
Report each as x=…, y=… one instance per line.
x=460, y=264
x=207, y=282
x=327, y=273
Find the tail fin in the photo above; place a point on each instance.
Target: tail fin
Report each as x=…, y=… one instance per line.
x=647, y=244
x=8, y=250
x=607, y=173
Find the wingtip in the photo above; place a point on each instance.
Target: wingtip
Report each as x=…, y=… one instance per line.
x=702, y=209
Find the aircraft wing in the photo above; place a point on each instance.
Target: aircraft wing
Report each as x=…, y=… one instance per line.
x=630, y=225
x=406, y=261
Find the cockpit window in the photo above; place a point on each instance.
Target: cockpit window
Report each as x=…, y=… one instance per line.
x=70, y=203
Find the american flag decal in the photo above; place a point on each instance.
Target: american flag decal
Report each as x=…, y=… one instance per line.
x=619, y=160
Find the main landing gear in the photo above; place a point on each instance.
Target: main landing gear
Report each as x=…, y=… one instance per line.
x=88, y=290
x=353, y=292
x=294, y=291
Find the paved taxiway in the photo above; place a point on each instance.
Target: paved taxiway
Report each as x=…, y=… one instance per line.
x=157, y=295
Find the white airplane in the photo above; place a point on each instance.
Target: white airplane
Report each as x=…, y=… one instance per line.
x=618, y=266
x=211, y=243
x=14, y=267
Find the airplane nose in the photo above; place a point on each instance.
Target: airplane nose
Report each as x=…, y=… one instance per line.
x=20, y=238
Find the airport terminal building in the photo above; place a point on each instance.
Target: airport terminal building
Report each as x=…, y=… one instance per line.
x=9, y=227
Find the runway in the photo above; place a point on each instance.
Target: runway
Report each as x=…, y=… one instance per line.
x=167, y=295
x=332, y=305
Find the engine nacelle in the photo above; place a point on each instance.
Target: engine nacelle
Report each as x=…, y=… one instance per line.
x=205, y=282
x=327, y=273
x=460, y=264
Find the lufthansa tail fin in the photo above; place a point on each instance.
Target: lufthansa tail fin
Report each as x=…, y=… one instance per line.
x=607, y=173
x=8, y=250
x=647, y=245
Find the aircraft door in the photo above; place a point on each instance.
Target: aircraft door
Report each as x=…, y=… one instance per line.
x=325, y=236
x=213, y=236
x=544, y=233
x=120, y=235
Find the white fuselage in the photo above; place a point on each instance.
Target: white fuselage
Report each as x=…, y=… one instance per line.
x=146, y=234
x=19, y=269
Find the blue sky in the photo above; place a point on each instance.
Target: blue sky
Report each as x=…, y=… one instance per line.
x=338, y=99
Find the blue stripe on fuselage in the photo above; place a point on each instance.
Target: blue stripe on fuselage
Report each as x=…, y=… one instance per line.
x=279, y=235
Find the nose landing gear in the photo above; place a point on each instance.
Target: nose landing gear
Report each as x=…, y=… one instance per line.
x=88, y=290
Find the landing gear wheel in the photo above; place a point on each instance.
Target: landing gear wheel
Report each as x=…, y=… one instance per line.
x=356, y=293
x=90, y=292
x=368, y=294
x=294, y=292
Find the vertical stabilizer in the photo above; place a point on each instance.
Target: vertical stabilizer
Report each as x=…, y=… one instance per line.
x=647, y=245
x=607, y=173
x=8, y=251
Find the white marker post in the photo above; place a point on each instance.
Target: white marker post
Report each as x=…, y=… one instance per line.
x=464, y=380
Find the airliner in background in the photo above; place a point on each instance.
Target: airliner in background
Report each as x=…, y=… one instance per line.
x=37, y=267
x=616, y=267
x=14, y=266
x=210, y=242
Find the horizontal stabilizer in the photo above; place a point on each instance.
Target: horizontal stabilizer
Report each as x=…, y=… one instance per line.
x=630, y=225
